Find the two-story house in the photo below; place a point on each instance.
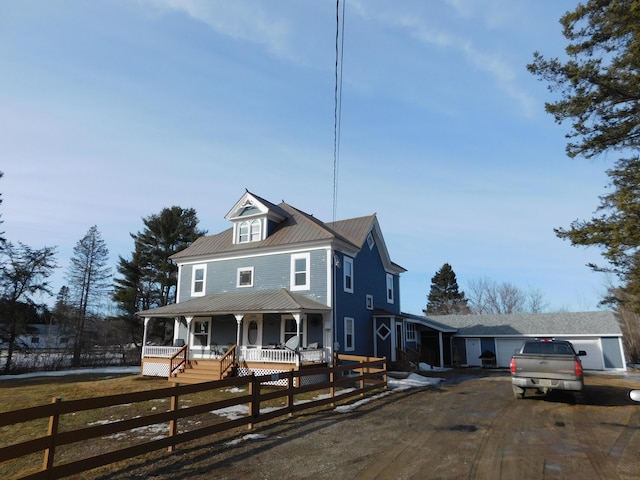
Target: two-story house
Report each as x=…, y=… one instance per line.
x=280, y=289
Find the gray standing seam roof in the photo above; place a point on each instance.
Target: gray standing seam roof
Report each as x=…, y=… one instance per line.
x=299, y=227
x=599, y=323
x=263, y=301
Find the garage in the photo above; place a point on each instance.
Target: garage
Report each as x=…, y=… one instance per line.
x=593, y=359
x=598, y=333
x=505, y=348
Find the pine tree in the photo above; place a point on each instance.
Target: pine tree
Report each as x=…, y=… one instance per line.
x=87, y=275
x=598, y=91
x=444, y=297
x=149, y=279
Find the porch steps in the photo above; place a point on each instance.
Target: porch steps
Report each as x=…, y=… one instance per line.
x=198, y=371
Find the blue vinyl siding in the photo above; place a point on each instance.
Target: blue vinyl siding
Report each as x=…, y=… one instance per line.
x=369, y=278
x=270, y=272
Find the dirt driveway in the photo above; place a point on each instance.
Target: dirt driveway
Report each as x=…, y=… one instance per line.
x=469, y=428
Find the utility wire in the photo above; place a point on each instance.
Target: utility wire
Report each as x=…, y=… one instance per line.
x=337, y=110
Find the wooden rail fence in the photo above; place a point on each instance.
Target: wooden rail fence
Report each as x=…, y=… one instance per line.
x=366, y=372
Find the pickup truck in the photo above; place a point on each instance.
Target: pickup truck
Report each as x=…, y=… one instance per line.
x=545, y=365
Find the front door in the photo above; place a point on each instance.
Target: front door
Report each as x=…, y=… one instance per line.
x=474, y=350
x=252, y=331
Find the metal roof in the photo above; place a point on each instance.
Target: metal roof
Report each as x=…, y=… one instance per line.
x=298, y=227
x=600, y=323
x=261, y=301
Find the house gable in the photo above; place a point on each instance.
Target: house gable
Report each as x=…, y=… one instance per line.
x=253, y=218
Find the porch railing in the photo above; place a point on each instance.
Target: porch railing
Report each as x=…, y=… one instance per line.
x=179, y=359
x=227, y=361
x=281, y=355
x=154, y=351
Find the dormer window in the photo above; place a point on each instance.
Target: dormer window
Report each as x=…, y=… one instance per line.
x=250, y=231
x=253, y=218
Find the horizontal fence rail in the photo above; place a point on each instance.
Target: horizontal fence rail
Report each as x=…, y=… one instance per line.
x=366, y=372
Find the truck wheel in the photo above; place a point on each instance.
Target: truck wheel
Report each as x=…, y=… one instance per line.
x=518, y=392
x=579, y=398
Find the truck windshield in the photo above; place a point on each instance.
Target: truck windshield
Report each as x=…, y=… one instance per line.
x=547, y=348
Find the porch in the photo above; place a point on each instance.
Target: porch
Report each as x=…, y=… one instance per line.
x=182, y=364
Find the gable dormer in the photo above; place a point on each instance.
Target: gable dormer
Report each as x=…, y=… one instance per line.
x=253, y=218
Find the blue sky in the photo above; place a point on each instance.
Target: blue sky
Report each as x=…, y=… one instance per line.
x=113, y=110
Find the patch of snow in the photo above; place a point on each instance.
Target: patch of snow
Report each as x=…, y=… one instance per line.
x=250, y=436
x=413, y=380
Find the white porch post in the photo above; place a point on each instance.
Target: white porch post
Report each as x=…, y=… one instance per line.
x=188, y=319
x=144, y=335
x=298, y=317
x=239, y=317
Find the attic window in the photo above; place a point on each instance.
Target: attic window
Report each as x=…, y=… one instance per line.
x=250, y=231
x=370, y=241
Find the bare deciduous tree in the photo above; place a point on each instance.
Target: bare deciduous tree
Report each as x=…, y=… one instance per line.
x=488, y=297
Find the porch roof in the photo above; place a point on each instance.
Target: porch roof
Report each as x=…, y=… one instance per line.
x=261, y=301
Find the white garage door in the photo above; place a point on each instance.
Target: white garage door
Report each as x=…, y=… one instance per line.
x=593, y=360
x=505, y=348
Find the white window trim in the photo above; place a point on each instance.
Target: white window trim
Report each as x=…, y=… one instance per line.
x=195, y=268
x=297, y=256
x=349, y=321
x=411, y=333
x=390, y=291
x=369, y=302
x=244, y=269
x=347, y=260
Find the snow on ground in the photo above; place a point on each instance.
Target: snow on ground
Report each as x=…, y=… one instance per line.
x=404, y=382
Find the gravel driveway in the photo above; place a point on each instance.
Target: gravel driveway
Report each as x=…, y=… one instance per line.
x=470, y=427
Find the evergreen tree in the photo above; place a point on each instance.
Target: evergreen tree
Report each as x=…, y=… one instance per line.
x=149, y=279
x=88, y=276
x=599, y=93
x=444, y=297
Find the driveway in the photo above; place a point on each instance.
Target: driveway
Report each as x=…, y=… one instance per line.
x=470, y=427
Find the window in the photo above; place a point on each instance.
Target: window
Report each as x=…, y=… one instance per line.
x=250, y=231
x=300, y=271
x=198, y=280
x=201, y=334
x=411, y=332
x=349, y=335
x=245, y=277
x=369, y=302
x=370, y=241
x=35, y=340
x=348, y=274
x=256, y=231
x=389, y=288
x=291, y=329
x=243, y=232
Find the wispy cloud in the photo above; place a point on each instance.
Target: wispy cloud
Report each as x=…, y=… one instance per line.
x=251, y=22
x=425, y=31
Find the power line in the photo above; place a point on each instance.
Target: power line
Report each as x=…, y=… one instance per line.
x=337, y=109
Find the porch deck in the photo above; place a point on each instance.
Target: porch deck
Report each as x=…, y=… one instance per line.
x=191, y=366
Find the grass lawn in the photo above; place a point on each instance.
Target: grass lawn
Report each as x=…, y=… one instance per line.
x=29, y=392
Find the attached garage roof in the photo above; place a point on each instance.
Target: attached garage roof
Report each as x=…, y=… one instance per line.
x=261, y=301
x=600, y=323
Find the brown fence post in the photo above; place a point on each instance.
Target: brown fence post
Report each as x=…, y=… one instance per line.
x=332, y=382
x=290, y=389
x=254, y=406
x=54, y=420
x=173, y=423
